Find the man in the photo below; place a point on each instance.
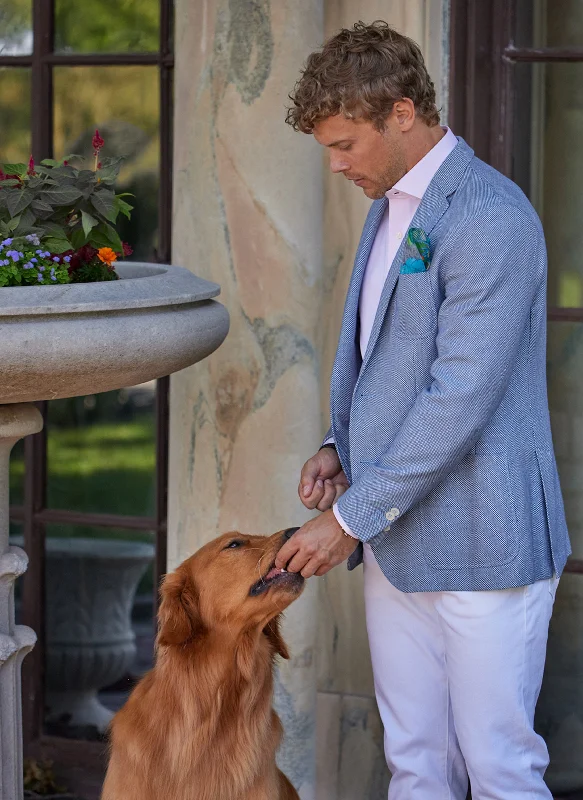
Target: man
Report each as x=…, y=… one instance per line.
x=439, y=459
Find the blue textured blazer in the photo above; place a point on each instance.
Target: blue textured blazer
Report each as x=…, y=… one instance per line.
x=443, y=427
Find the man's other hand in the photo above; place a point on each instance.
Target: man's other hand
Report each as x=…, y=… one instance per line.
x=322, y=480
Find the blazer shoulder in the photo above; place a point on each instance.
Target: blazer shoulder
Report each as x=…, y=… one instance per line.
x=483, y=188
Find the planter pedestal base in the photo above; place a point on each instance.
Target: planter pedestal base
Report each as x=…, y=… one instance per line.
x=16, y=421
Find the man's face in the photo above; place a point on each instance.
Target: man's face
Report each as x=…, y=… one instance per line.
x=375, y=161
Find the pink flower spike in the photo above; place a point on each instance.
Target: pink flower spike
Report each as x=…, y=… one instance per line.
x=97, y=143
x=30, y=171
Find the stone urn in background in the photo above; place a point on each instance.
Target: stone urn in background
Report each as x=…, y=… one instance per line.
x=77, y=339
x=90, y=590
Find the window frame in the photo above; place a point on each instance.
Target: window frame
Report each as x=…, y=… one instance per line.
x=34, y=514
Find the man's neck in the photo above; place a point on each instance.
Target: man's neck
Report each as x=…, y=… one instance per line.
x=420, y=140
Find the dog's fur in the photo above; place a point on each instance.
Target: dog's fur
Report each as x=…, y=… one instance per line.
x=200, y=724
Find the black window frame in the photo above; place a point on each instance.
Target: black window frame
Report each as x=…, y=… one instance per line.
x=482, y=100
x=34, y=514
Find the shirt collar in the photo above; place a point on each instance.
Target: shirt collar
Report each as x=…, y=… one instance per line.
x=415, y=182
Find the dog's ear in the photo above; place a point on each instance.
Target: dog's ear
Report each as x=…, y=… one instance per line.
x=273, y=633
x=179, y=619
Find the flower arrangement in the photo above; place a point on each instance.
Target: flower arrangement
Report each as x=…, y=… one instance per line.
x=57, y=221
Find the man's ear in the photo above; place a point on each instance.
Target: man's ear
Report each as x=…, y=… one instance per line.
x=179, y=619
x=273, y=633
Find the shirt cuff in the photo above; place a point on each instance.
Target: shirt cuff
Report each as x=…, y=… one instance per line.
x=329, y=440
x=341, y=522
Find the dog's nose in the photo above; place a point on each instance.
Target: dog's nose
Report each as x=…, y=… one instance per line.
x=290, y=532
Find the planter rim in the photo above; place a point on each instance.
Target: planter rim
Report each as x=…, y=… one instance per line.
x=141, y=285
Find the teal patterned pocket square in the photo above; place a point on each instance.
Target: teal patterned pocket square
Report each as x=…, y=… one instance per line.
x=417, y=244
x=412, y=265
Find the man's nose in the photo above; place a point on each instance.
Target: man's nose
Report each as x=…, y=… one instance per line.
x=338, y=164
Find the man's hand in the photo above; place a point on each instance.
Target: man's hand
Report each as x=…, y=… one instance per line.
x=322, y=480
x=318, y=546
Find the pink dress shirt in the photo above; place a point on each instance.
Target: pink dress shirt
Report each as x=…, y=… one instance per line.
x=404, y=199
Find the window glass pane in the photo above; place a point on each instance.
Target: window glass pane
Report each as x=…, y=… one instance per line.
x=102, y=452
x=17, y=474
x=99, y=627
x=15, y=141
x=123, y=103
x=109, y=26
x=549, y=23
x=548, y=165
x=16, y=27
x=565, y=387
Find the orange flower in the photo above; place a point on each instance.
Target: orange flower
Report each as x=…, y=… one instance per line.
x=107, y=255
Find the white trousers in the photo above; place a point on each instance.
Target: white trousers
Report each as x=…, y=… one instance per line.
x=457, y=676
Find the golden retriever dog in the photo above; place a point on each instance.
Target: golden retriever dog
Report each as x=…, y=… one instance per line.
x=200, y=725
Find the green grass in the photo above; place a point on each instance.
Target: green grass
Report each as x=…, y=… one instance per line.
x=104, y=468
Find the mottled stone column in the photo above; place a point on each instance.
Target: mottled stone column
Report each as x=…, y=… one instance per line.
x=16, y=641
x=248, y=215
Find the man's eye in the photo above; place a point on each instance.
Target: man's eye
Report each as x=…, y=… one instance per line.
x=235, y=543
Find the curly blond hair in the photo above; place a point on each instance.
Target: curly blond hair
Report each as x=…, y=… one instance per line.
x=361, y=73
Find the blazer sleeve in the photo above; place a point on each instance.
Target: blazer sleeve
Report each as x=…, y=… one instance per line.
x=492, y=265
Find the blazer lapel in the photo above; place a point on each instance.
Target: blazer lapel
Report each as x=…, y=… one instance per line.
x=433, y=206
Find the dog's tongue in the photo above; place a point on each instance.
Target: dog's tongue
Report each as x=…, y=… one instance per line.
x=273, y=573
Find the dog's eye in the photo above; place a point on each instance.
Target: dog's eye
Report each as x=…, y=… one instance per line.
x=235, y=543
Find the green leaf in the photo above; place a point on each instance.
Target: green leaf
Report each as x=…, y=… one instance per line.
x=13, y=224
x=105, y=236
x=25, y=223
x=9, y=183
x=123, y=207
x=57, y=246
x=103, y=201
x=18, y=201
x=15, y=169
x=88, y=222
x=78, y=238
x=50, y=162
x=42, y=208
x=61, y=195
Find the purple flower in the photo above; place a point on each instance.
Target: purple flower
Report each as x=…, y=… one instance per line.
x=39, y=276
x=57, y=259
x=47, y=254
x=42, y=269
x=33, y=261
x=28, y=265
x=6, y=242
x=14, y=255
x=39, y=252
x=32, y=238
x=67, y=259
x=6, y=262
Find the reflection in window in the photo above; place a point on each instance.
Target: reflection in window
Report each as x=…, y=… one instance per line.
x=15, y=139
x=565, y=386
x=109, y=26
x=123, y=103
x=548, y=166
x=16, y=27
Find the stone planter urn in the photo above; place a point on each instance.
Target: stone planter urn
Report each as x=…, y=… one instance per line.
x=76, y=339
x=90, y=590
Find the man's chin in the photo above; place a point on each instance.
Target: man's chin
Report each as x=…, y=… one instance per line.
x=373, y=193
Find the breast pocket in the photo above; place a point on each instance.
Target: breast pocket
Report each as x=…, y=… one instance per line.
x=415, y=314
